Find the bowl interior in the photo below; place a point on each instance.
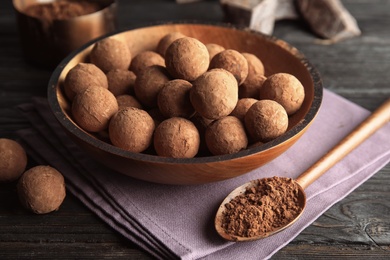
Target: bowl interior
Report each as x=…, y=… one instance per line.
x=277, y=56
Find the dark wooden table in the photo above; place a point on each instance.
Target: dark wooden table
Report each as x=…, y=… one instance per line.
x=358, y=227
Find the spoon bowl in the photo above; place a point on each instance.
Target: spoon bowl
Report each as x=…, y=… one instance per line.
x=369, y=126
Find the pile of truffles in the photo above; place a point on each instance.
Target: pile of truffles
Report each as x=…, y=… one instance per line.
x=183, y=99
x=41, y=189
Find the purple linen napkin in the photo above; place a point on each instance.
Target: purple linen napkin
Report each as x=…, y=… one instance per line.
x=177, y=221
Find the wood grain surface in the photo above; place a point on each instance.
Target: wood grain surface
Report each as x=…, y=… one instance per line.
x=358, y=227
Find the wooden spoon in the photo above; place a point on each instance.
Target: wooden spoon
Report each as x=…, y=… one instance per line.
x=372, y=123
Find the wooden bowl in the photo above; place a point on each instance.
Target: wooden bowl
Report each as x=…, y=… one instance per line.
x=277, y=56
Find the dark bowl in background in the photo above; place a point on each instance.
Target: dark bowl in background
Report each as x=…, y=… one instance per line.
x=45, y=43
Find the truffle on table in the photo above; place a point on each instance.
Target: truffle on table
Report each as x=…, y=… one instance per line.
x=131, y=129
x=109, y=54
x=176, y=137
x=83, y=76
x=226, y=136
x=285, y=89
x=41, y=189
x=145, y=59
x=13, y=160
x=187, y=58
x=266, y=120
x=174, y=99
x=232, y=61
x=121, y=81
x=214, y=94
x=93, y=109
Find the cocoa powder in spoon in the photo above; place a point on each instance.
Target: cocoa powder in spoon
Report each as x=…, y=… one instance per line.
x=270, y=204
x=61, y=10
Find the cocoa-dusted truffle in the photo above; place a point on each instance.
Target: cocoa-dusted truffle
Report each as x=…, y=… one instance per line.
x=251, y=87
x=13, y=160
x=165, y=41
x=201, y=124
x=214, y=94
x=111, y=53
x=155, y=113
x=121, y=81
x=149, y=83
x=214, y=49
x=187, y=58
x=242, y=107
x=176, y=137
x=266, y=120
x=285, y=89
x=255, y=65
x=232, y=61
x=93, y=109
x=41, y=189
x=226, y=136
x=83, y=76
x=128, y=101
x=131, y=129
x=145, y=59
x=174, y=99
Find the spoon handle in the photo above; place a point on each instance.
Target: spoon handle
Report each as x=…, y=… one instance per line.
x=372, y=123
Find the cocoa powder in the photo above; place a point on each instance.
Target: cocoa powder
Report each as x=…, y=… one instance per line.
x=61, y=10
x=264, y=207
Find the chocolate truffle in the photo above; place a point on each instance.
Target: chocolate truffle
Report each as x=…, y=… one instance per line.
x=242, y=107
x=155, y=113
x=149, y=83
x=187, y=58
x=214, y=49
x=145, y=59
x=255, y=65
x=128, y=101
x=174, y=99
x=111, y=53
x=201, y=124
x=176, y=137
x=214, y=94
x=41, y=189
x=83, y=76
x=13, y=160
x=251, y=87
x=93, y=109
x=232, y=61
x=226, y=136
x=285, y=89
x=121, y=81
x=266, y=120
x=131, y=129
x=165, y=41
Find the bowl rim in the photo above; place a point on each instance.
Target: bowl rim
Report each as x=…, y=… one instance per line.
x=100, y=144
